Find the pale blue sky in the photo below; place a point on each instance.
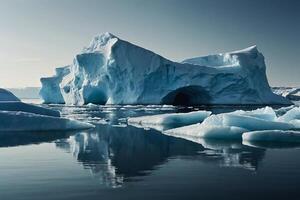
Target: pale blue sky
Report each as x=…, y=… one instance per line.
x=39, y=35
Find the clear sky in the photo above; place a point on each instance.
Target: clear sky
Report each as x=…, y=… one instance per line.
x=39, y=35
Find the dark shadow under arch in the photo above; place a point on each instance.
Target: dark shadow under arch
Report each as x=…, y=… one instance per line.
x=189, y=95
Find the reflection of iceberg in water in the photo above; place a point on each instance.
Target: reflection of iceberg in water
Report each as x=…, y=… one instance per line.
x=233, y=153
x=116, y=155
x=18, y=138
x=94, y=154
x=229, y=153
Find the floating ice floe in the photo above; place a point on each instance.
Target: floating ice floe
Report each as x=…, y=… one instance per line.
x=262, y=123
x=272, y=136
x=208, y=131
x=18, y=116
x=171, y=118
x=24, y=121
x=292, y=114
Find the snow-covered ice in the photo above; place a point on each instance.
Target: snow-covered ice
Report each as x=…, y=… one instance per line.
x=290, y=115
x=208, y=131
x=253, y=123
x=234, y=124
x=114, y=71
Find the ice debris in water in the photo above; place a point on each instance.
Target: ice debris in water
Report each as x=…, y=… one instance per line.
x=272, y=136
x=208, y=131
x=263, y=123
x=171, y=118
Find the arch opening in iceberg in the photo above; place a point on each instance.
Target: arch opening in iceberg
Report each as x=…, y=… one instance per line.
x=95, y=96
x=189, y=95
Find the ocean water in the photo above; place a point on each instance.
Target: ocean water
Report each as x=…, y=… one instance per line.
x=118, y=161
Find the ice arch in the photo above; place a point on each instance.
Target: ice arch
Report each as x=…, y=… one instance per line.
x=189, y=95
x=95, y=95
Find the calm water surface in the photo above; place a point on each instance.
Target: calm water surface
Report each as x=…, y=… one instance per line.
x=117, y=161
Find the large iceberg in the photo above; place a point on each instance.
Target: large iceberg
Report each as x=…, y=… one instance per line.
x=114, y=71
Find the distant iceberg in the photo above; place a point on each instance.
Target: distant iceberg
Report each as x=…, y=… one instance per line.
x=18, y=116
x=114, y=71
x=291, y=93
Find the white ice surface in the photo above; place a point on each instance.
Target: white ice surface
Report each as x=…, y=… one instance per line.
x=209, y=131
x=232, y=125
x=291, y=114
x=171, y=118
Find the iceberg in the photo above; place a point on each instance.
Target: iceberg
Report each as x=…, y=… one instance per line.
x=51, y=85
x=114, y=71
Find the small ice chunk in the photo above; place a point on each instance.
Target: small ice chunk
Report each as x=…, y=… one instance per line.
x=171, y=118
x=266, y=113
x=208, y=131
x=281, y=111
x=272, y=136
x=292, y=114
x=253, y=123
x=296, y=123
